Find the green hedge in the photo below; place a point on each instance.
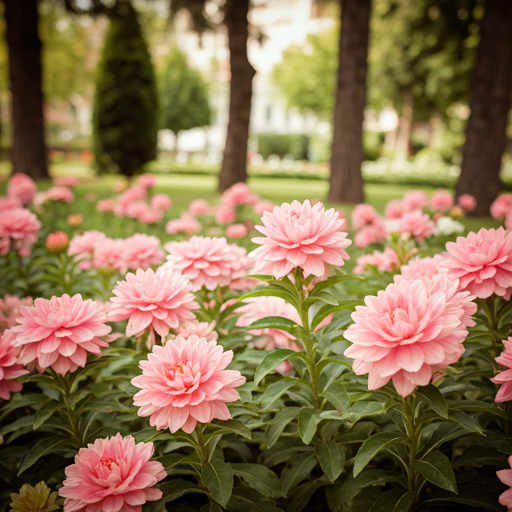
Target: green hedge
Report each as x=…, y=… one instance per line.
x=296, y=145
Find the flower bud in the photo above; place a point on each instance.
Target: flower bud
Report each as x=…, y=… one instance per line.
x=57, y=242
x=75, y=219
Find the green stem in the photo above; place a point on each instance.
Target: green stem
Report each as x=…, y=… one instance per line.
x=202, y=449
x=413, y=432
x=73, y=416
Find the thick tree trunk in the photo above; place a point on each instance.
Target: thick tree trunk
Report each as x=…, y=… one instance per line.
x=346, y=182
x=234, y=162
x=489, y=103
x=28, y=151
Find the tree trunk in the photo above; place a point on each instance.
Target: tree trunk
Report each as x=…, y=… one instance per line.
x=346, y=182
x=234, y=162
x=489, y=103
x=28, y=151
x=403, y=142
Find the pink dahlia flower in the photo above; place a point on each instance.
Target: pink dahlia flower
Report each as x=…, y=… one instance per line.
x=442, y=200
x=185, y=382
x=106, y=205
x=66, y=182
x=108, y=254
x=263, y=206
x=150, y=216
x=57, y=242
x=147, y=181
x=238, y=194
x=225, y=216
x=60, y=332
x=504, y=378
x=363, y=214
x=7, y=203
x=502, y=206
x=375, y=233
x=199, y=207
x=384, y=261
x=10, y=309
x=394, y=209
x=208, y=262
x=200, y=329
x=505, y=475
x=415, y=200
x=83, y=247
x=22, y=188
x=158, y=300
x=112, y=475
x=417, y=225
x=467, y=202
x=422, y=267
x=482, y=262
x=236, y=231
x=300, y=235
x=63, y=194
x=410, y=330
x=9, y=367
x=18, y=230
x=141, y=251
x=186, y=223
x=161, y=202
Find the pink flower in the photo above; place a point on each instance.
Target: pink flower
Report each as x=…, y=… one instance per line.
x=18, y=226
x=135, y=209
x=63, y=194
x=60, y=332
x=502, y=206
x=10, y=309
x=422, y=267
x=415, y=200
x=119, y=187
x=508, y=220
x=147, y=181
x=410, y=330
x=129, y=196
x=107, y=254
x=504, y=378
x=105, y=205
x=91, y=197
x=7, y=203
x=161, y=202
x=22, y=188
x=113, y=474
x=66, y=182
x=505, y=475
x=57, y=242
x=374, y=233
x=199, y=207
x=467, y=202
x=141, y=251
x=149, y=216
x=236, y=231
x=362, y=215
x=185, y=382
x=238, y=194
x=159, y=300
x=208, y=262
x=263, y=206
x=384, y=261
x=482, y=262
x=9, y=368
x=442, y=200
x=200, y=329
x=417, y=225
x=83, y=246
x=395, y=209
x=300, y=235
x=186, y=223
x=225, y=216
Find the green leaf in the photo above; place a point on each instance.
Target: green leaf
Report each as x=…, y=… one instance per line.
x=279, y=422
x=331, y=281
x=246, y=499
x=437, y=469
x=270, y=291
x=476, y=406
x=331, y=457
x=172, y=491
x=270, y=361
x=301, y=496
x=328, y=309
x=275, y=390
x=466, y=421
x=435, y=399
x=338, y=396
x=259, y=477
x=45, y=412
x=308, y=421
x=275, y=322
x=395, y=500
x=298, y=469
x=40, y=449
x=217, y=476
x=234, y=426
x=373, y=445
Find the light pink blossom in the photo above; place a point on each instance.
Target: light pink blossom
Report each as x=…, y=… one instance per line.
x=9, y=367
x=300, y=235
x=161, y=202
x=109, y=254
x=238, y=194
x=200, y=329
x=186, y=223
x=10, y=309
x=199, y=207
x=442, y=200
x=415, y=200
x=385, y=261
x=225, y=216
x=106, y=205
x=363, y=214
x=422, y=267
x=236, y=231
x=7, y=203
x=417, y=225
x=112, y=475
x=22, y=188
x=208, y=262
x=263, y=206
x=141, y=251
x=18, y=230
x=63, y=194
x=374, y=233
x=158, y=300
x=69, y=181
x=147, y=181
x=467, y=202
x=504, y=378
x=60, y=332
x=394, y=209
x=482, y=262
x=410, y=330
x=150, y=216
x=83, y=247
x=505, y=475
x=186, y=382
x=502, y=206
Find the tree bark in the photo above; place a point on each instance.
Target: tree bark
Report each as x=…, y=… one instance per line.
x=234, y=162
x=489, y=103
x=28, y=152
x=346, y=182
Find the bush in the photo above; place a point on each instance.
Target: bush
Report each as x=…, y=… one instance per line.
x=296, y=145
x=125, y=103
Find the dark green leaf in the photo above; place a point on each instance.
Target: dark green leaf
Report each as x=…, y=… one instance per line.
x=466, y=421
x=217, y=476
x=270, y=362
x=279, y=422
x=331, y=457
x=275, y=322
x=435, y=399
x=437, y=469
x=275, y=390
x=338, y=396
x=373, y=445
x=40, y=449
x=395, y=500
x=234, y=426
x=245, y=499
x=308, y=421
x=298, y=469
x=260, y=478
x=45, y=412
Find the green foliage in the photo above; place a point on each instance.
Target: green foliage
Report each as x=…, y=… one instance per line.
x=125, y=104
x=183, y=95
x=296, y=145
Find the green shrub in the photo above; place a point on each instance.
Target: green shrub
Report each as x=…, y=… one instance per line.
x=296, y=145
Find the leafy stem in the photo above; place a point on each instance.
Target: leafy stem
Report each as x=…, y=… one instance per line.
x=413, y=433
